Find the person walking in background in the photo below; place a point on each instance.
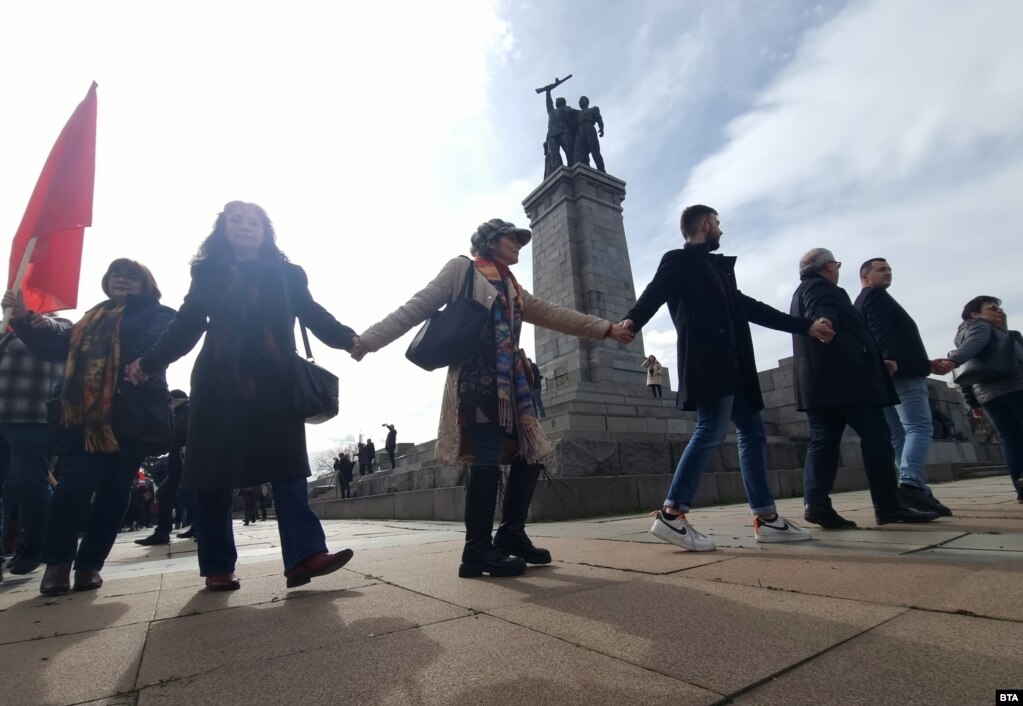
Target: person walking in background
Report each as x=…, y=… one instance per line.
x=906, y=359
x=487, y=415
x=167, y=491
x=363, y=464
x=718, y=376
x=344, y=466
x=250, y=501
x=536, y=389
x=25, y=384
x=653, y=376
x=371, y=455
x=245, y=296
x=843, y=384
x=391, y=443
x=996, y=390
x=103, y=427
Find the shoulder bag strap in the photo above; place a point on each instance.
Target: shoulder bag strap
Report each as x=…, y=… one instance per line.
x=290, y=312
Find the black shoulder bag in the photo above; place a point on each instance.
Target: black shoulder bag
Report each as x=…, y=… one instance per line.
x=315, y=390
x=452, y=335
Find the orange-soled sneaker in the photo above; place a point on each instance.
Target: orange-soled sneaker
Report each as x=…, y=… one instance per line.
x=223, y=582
x=319, y=564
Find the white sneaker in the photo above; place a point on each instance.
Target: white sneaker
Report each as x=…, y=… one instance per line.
x=679, y=532
x=779, y=530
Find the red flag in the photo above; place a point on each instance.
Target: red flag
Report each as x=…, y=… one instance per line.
x=57, y=214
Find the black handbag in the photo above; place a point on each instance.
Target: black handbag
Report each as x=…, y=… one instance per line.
x=452, y=335
x=315, y=390
x=998, y=361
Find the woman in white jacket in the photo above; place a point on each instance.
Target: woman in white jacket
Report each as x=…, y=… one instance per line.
x=487, y=415
x=653, y=375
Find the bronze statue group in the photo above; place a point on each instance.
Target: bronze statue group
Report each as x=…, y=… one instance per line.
x=857, y=364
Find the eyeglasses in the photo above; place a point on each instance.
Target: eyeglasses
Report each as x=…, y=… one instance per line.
x=126, y=276
x=836, y=263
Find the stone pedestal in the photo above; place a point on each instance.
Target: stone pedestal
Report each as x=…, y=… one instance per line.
x=581, y=261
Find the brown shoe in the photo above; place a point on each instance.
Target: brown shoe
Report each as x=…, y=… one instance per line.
x=319, y=564
x=223, y=582
x=56, y=580
x=87, y=580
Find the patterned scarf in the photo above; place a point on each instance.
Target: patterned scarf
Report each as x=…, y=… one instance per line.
x=514, y=402
x=90, y=376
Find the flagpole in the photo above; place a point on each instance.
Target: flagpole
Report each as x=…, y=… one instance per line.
x=25, y=259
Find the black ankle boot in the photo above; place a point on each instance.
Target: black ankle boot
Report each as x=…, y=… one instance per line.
x=511, y=536
x=480, y=556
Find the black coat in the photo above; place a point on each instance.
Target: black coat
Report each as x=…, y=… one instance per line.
x=239, y=435
x=141, y=415
x=849, y=370
x=895, y=332
x=712, y=317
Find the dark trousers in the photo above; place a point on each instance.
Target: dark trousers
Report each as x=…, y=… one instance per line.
x=826, y=427
x=655, y=390
x=251, y=503
x=1006, y=415
x=167, y=493
x=390, y=456
x=346, y=485
x=27, y=483
x=300, y=530
x=110, y=477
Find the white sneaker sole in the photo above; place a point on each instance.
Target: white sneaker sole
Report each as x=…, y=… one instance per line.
x=784, y=537
x=662, y=531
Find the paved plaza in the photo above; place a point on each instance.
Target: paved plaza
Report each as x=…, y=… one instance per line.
x=892, y=615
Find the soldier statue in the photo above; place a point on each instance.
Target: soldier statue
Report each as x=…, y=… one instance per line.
x=561, y=128
x=586, y=142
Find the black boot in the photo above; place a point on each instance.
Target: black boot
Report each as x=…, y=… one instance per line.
x=480, y=556
x=511, y=536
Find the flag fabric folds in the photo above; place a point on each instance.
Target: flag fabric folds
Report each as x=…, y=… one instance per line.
x=57, y=215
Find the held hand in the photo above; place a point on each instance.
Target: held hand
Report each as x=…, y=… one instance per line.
x=822, y=330
x=133, y=372
x=16, y=303
x=892, y=366
x=978, y=413
x=622, y=334
x=942, y=366
x=359, y=349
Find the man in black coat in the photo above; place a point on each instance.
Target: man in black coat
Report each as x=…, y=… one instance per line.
x=843, y=384
x=718, y=374
x=167, y=491
x=906, y=358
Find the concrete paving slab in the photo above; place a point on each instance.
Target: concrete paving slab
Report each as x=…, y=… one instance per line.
x=436, y=575
x=994, y=591
x=73, y=668
x=477, y=660
x=187, y=646
x=192, y=600
x=609, y=554
x=917, y=658
x=12, y=592
x=41, y=616
x=732, y=636
x=897, y=581
x=988, y=542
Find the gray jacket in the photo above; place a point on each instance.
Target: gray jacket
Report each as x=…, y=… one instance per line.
x=972, y=337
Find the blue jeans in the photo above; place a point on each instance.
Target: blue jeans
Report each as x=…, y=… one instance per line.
x=27, y=484
x=537, y=396
x=487, y=443
x=910, y=425
x=299, y=527
x=1006, y=415
x=711, y=428
x=110, y=477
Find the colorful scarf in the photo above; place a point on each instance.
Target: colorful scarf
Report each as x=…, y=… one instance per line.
x=514, y=401
x=90, y=376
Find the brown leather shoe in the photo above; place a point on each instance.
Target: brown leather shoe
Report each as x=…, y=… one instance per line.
x=223, y=582
x=56, y=580
x=87, y=580
x=319, y=564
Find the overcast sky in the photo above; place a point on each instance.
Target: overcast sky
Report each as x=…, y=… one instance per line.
x=378, y=135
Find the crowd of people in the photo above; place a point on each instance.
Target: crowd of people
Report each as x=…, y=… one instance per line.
x=94, y=395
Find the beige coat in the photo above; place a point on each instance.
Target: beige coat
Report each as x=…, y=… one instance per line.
x=653, y=372
x=451, y=447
